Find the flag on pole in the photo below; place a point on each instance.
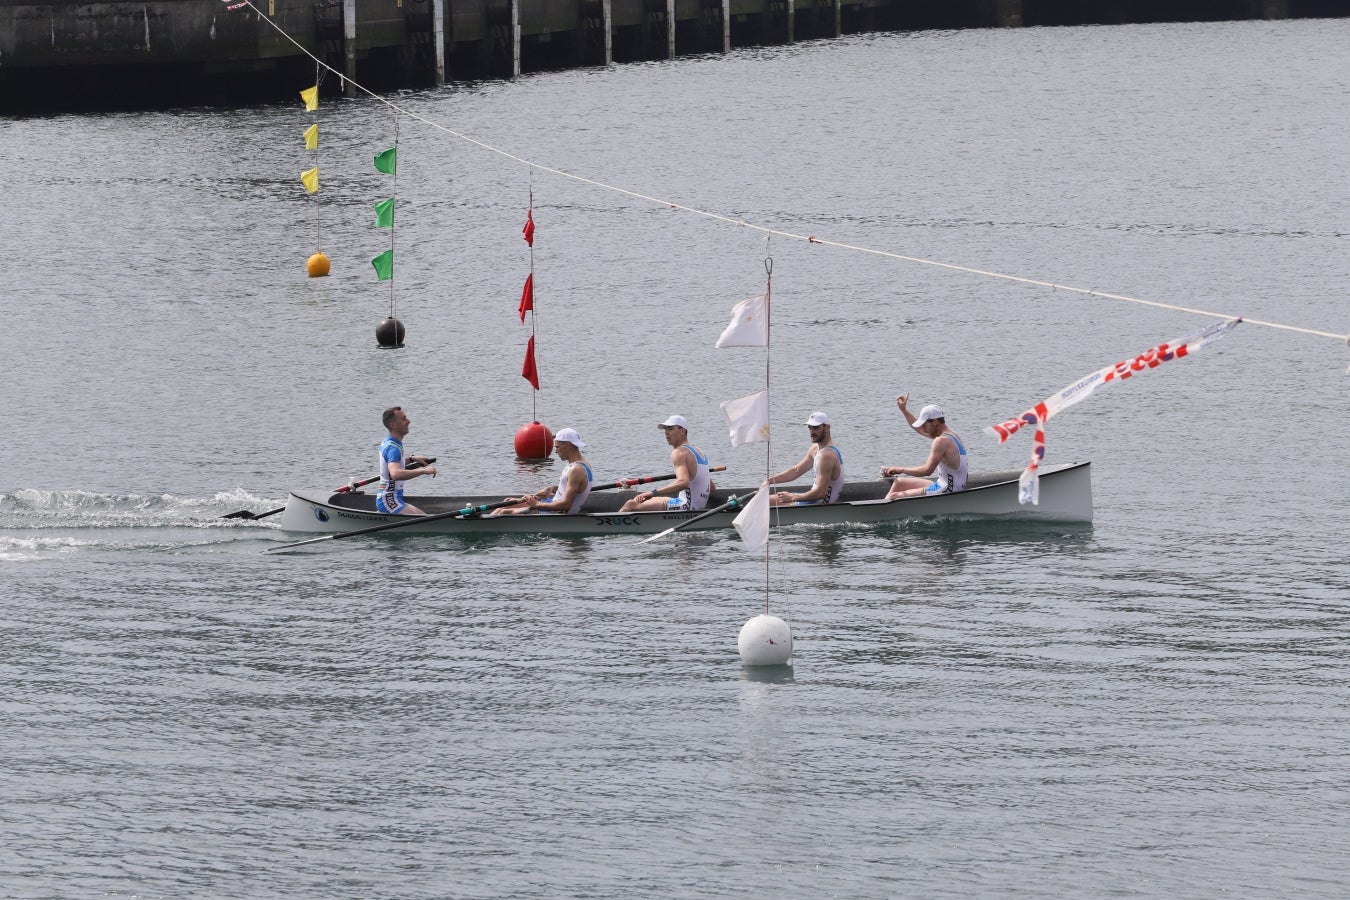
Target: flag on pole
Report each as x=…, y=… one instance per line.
x=1084, y=387
x=749, y=324
x=752, y=523
x=311, y=98
x=529, y=371
x=527, y=297
x=312, y=137
x=748, y=417
x=310, y=180
x=387, y=162
x=384, y=213
x=384, y=265
x=529, y=228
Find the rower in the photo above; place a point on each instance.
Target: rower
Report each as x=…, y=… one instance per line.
x=393, y=470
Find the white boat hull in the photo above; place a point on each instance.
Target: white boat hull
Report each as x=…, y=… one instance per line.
x=1065, y=496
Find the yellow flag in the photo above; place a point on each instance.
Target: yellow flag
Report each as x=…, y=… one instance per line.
x=311, y=98
x=310, y=180
x=312, y=137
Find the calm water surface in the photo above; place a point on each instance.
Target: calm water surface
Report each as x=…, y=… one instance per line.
x=1155, y=705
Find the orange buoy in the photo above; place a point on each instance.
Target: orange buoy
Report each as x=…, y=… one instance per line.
x=317, y=265
x=534, y=441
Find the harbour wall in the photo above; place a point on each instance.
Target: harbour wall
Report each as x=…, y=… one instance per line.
x=65, y=53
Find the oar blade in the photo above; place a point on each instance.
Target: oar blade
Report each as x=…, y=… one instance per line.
x=241, y=514
x=656, y=537
x=734, y=501
x=326, y=537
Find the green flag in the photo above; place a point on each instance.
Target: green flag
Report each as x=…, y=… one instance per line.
x=387, y=161
x=384, y=265
x=384, y=213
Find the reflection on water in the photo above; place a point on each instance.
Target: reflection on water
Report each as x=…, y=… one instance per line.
x=987, y=708
x=783, y=674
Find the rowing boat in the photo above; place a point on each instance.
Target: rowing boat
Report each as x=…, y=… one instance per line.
x=1065, y=496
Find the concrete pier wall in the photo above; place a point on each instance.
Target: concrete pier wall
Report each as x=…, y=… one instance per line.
x=152, y=49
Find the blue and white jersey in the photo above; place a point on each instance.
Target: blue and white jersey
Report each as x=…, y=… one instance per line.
x=389, y=497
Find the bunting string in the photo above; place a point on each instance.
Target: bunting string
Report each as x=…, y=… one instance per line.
x=769, y=231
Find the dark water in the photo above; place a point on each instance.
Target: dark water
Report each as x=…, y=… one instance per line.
x=1154, y=705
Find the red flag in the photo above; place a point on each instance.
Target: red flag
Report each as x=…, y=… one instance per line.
x=528, y=371
x=527, y=297
x=529, y=228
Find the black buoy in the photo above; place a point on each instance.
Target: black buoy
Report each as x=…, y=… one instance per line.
x=389, y=333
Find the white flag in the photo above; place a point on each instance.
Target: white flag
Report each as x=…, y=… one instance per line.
x=748, y=418
x=752, y=524
x=749, y=324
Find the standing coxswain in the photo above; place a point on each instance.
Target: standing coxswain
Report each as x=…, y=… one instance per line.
x=393, y=468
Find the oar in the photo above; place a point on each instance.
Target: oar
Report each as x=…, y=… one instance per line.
x=402, y=523
x=245, y=514
x=462, y=513
x=474, y=511
x=734, y=501
x=646, y=479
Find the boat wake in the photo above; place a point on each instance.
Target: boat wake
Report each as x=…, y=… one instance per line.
x=40, y=524
x=34, y=509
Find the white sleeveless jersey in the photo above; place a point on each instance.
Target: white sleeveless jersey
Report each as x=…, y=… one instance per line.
x=700, y=486
x=581, y=496
x=952, y=480
x=837, y=485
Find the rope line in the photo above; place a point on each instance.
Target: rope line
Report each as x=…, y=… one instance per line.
x=810, y=239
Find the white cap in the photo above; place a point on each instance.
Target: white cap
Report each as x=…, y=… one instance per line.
x=570, y=436
x=928, y=413
x=675, y=422
x=817, y=418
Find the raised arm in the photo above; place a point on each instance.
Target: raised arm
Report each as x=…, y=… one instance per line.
x=903, y=402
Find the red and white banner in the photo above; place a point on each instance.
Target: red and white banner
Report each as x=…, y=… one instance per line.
x=1083, y=388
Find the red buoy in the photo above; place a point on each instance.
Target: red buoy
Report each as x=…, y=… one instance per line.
x=534, y=441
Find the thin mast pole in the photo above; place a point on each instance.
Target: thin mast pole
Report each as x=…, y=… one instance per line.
x=534, y=393
x=768, y=355
x=318, y=238
x=393, y=225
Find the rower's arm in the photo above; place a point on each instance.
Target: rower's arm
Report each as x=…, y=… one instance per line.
x=400, y=472
x=682, y=458
x=934, y=457
x=789, y=475
x=829, y=470
x=576, y=481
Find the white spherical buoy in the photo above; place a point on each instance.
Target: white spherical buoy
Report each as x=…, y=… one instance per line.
x=765, y=641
